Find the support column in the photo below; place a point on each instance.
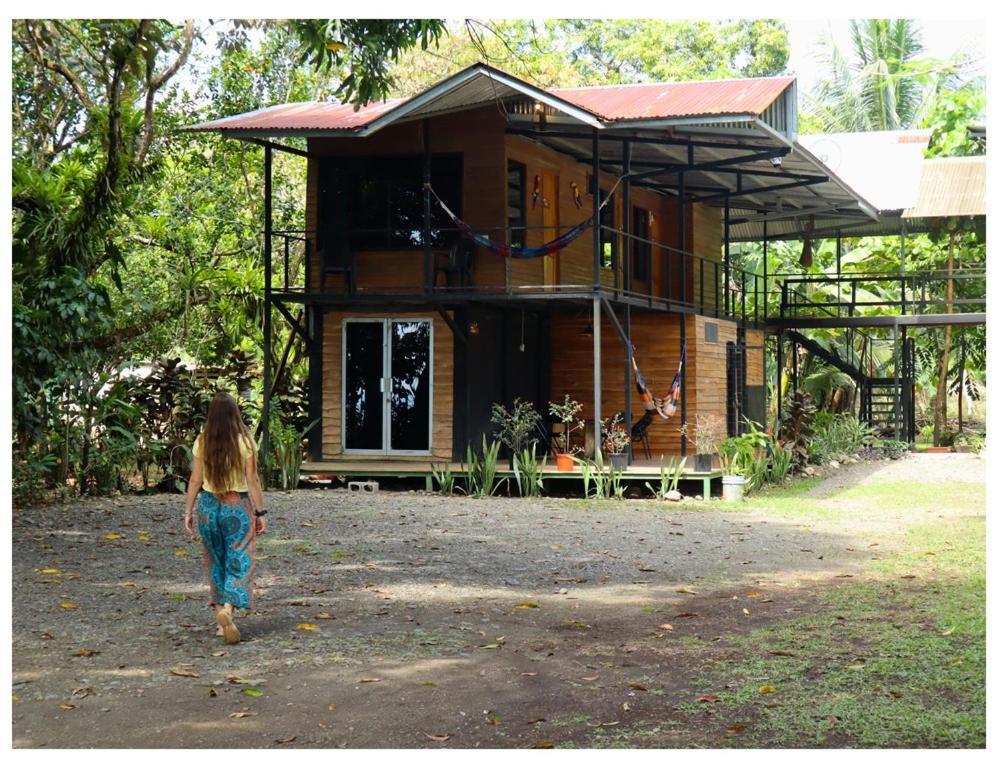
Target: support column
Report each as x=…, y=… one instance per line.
x=766, y=292
x=794, y=367
x=901, y=256
x=627, y=376
x=596, y=376
x=780, y=365
x=727, y=255
x=265, y=412
x=839, y=255
x=595, y=148
x=427, y=253
x=682, y=236
x=626, y=224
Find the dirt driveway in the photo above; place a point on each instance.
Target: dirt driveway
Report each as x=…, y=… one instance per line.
x=404, y=619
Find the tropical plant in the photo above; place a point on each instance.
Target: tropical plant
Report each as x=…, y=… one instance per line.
x=892, y=449
x=669, y=478
x=286, y=443
x=838, y=435
x=567, y=414
x=516, y=427
x=480, y=470
x=796, y=427
x=782, y=461
x=707, y=433
x=599, y=481
x=528, y=471
x=443, y=478
x=616, y=438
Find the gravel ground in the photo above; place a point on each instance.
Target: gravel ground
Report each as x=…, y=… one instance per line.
x=407, y=619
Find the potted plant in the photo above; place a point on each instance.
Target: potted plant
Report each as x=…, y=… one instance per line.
x=516, y=427
x=565, y=413
x=616, y=441
x=732, y=454
x=706, y=435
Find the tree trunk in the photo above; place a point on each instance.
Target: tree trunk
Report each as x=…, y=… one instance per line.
x=960, y=391
x=940, y=403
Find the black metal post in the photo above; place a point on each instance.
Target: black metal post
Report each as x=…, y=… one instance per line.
x=727, y=255
x=839, y=255
x=597, y=362
x=627, y=376
x=427, y=253
x=794, y=367
x=902, y=262
x=682, y=224
x=596, y=209
x=265, y=412
x=629, y=246
x=766, y=293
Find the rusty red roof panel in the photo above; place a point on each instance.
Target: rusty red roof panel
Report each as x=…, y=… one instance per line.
x=675, y=100
x=309, y=115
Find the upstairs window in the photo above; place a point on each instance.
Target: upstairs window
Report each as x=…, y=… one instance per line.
x=380, y=200
x=516, y=202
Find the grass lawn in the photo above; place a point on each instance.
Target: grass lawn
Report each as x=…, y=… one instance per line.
x=893, y=656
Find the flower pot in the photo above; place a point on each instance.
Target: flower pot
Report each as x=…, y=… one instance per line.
x=702, y=462
x=733, y=487
x=618, y=460
x=564, y=462
x=938, y=449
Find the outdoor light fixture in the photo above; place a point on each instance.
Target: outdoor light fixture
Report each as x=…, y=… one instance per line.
x=473, y=328
x=775, y=162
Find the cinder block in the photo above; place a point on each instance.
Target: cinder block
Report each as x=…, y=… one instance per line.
x=367, y=486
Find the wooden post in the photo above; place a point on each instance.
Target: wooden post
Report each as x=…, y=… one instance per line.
x=265, y=412
x=596, y=375
x=427, y=253
x=780, y=365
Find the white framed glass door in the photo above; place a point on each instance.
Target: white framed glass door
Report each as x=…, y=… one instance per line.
x=387, y=386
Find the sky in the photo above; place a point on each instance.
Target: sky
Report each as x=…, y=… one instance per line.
x=941, y=39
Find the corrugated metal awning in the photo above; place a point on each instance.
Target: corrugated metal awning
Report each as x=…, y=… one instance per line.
x=950, y=186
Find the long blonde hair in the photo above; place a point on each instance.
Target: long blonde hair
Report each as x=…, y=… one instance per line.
x=220, y=448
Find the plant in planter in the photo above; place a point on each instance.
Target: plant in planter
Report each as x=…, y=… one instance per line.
x=517, y=428
x=616, y=441
x=706, y=434
x=565, y=413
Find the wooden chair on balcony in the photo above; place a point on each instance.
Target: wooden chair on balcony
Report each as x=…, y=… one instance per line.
x=459, y=261
x=338, y=259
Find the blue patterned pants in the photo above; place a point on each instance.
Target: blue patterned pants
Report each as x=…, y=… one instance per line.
x=226, y=525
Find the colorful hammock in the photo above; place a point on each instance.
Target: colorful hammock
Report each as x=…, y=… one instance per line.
x=665, y=407
x=507, y=251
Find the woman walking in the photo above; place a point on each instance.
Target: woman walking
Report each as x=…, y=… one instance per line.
x=230, y=504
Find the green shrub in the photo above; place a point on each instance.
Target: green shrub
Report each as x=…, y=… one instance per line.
x=836, y=435
x=892, y=449
x=481, y=470
x=781, y=462
x=443, y=478
x=669, y=478
x=528, y=471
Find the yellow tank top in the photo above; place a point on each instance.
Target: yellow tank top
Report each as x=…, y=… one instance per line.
x=237, y=481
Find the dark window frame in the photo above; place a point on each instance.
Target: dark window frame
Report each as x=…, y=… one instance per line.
x=641, y=250
x=395, y=183
x=516, y=226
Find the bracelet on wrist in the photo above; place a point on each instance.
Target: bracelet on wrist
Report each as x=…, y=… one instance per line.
x=260, y=513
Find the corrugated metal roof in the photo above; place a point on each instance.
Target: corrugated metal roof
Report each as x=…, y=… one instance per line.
x=950, y=186
x=666, y=101
x=481, y=84
x=302, y=116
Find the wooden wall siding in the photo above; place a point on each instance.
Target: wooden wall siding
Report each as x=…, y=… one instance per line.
x=576, y=260
x=443, y=405
x=711, y=366
x=755, y=358
x=656, y=337
x=708, y=239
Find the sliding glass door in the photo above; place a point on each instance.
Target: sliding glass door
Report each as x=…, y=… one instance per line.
x=387, y=386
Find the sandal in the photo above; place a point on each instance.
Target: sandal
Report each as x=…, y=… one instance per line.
x=228, y=626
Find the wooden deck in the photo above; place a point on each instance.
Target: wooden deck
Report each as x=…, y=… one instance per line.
x=360, y=469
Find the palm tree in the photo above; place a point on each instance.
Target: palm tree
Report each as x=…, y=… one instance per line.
x=875, y=88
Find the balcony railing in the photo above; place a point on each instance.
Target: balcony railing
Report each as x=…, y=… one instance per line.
x=703, y=288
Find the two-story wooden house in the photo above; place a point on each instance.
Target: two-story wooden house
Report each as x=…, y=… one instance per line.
x=429, y=293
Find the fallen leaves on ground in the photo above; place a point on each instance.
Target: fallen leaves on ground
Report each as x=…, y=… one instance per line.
x=736, y=728
x=324, y=616
x=438, y=737
x=686, y=591
x=68, y=606
x=306, y=627
x=637, y=687
x=527, y=604
x=50, y=571
x=68, y=706
x=86, y=652
x=285, y=740
x=113, y=536
x=238, y=715
x=777, y=652
x=543, y=745
x=370, y=680
x=252, y=692
x=709, y=698
x=182, y=672
x=767, y=689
